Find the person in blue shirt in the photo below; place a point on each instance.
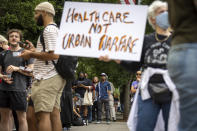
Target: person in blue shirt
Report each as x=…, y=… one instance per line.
x=134, y=84
x=103, y=89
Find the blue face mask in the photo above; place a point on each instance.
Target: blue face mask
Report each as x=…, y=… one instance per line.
x=162, y=20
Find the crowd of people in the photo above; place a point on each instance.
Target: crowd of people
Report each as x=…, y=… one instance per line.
x=36, y=106
x=101, y=93
x=164, y=99
x=83, y=99
x=31, y=87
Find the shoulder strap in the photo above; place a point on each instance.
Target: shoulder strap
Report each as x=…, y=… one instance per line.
x=43, y=43
x=3, y=60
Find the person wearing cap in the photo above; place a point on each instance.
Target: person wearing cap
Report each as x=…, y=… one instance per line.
x=103, y=90
x=48, y=86
x=76, y=98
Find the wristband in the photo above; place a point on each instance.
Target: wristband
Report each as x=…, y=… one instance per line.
x=21, y=68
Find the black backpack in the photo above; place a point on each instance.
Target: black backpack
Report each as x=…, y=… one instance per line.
x=65, y=65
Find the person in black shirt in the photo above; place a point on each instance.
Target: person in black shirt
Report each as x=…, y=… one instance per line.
x=13, y=87
x=154, y=56
x=81, y=85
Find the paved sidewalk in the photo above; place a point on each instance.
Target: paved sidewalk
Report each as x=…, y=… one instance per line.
x=114, y=126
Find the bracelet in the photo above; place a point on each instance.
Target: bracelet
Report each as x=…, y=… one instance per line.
x=21, y=68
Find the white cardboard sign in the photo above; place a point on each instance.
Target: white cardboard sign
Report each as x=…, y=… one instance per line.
x=94, y=30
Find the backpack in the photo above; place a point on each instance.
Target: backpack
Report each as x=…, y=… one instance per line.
x=77, y=121
x=65, y=65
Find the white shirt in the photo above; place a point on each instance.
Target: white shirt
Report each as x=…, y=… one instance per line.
x=41, y=70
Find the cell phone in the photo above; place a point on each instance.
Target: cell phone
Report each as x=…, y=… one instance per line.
x=22, y=44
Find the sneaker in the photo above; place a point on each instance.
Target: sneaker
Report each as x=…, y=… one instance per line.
x=98, y=122
x=114, y=119
x=86, y=121
x=108, y=122
x=66, y=129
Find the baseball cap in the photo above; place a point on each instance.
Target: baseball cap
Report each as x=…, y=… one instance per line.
x=103, y=74
x=3, y=39
x=46, y=6
x=77, y=95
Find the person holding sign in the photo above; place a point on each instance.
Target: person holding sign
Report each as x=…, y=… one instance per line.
x=154, y=94
x=48, y=86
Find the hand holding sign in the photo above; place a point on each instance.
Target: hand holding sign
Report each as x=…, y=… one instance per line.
x=107, y=59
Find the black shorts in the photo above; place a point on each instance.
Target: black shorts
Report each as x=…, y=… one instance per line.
x=15, y=100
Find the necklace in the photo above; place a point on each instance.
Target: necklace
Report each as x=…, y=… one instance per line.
x=156, y=37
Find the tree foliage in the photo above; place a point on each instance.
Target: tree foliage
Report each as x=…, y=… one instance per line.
x=20, y=14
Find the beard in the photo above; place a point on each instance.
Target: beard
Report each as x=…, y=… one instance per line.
x=40, y=21
x=81, y=78
x=14, y=45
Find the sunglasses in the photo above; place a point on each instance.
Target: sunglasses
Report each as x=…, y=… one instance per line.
x=139, y=74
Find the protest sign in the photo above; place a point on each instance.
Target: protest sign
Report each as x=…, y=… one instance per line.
x=94, y=30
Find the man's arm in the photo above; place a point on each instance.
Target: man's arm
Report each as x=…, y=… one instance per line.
x=12, y=68
x=86, y=87
x=109, y=89
x=75, y=112
x=133, y=90
x=45, y=56
x=30, y=66
x=4, y=77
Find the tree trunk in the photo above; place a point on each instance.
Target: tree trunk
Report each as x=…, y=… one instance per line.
x=126, y=102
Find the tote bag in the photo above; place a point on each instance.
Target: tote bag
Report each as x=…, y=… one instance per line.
x=88, y=98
